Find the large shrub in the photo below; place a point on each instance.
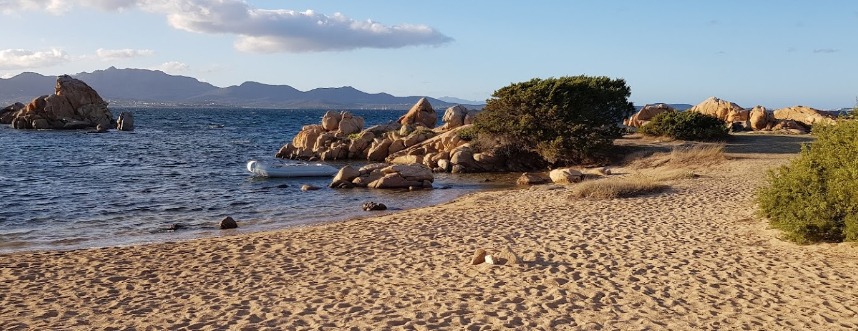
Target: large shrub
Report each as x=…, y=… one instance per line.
x=687, y=125
x=815, y=197
x=565, y=119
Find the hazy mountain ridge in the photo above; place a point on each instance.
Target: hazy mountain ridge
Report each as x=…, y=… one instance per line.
x=142, y=87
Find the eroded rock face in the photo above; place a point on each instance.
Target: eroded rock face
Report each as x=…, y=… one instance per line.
x=420, y=114
x=74, y=105
x=646, y=114
x=805, y=115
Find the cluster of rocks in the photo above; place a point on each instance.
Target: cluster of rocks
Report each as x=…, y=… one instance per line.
x=556, y=176
x=383, y=175
x=74, y=105
x=412, y=139
x=797, y=119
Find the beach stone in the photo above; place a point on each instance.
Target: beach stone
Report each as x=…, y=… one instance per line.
x=346, y=175
x=125, y=122
x=307, y=187
x=491, y=260
x=373, y=206
x=507, y=257
x=420, y=114
x=565, y=176
x=228, y=223
x=530, y=178
x=479, y=257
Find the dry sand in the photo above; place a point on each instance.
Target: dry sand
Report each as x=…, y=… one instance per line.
x=692, y=258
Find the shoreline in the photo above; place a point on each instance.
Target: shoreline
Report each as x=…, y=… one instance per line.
x=694, y=257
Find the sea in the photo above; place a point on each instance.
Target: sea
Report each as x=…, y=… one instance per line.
x=175, y=177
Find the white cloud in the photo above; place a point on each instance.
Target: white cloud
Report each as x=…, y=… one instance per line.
x=26, y=59
x=172, y=67
x=263, y=30
x=124, y=53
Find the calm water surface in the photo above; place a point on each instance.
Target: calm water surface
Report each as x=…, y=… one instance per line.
x=67, y=190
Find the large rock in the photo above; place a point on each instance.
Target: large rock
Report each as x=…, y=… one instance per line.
x=412, y=172
x=350, y=124
x=724, y=110
x=454, y=117
x=420, y=114
x=381, y=175
x=565, y=176
x=125, y=122
x=306, y=138
x=346, y=175
x=331, y=120
x=646, y=114
x=74, y=105
x=379, y=150
x=760, y=118
x=8, y=114
x=805, y=115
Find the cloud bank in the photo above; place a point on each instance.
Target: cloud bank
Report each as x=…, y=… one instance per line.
x=23, y=59
x=172, y=67
x=260, y=30
x=125, y=53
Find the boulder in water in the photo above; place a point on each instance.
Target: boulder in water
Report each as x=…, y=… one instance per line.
x=228, y=223
x=125, y=122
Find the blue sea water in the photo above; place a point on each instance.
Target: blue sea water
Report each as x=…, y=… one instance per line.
x=186, y=167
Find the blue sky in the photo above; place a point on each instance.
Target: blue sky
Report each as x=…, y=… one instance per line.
x=772, y=53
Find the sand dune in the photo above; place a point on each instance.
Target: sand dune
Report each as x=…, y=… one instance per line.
x=692, y=258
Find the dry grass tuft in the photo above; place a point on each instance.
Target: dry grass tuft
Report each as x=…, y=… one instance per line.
x=663, y=175
x=622, y=187
x=684, y=157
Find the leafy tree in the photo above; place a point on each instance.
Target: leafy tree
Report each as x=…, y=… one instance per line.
x=687, y=125
x=565, y=120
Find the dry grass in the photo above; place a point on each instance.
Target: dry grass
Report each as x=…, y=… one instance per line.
x=667, y=174
x=702, y=155
x=620, y=187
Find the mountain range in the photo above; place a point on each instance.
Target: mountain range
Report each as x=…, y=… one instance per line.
x=153, y=88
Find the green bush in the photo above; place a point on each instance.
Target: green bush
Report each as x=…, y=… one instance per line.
x=467, y=134
x=686, y=125
x=565, y=119
x=815, y=197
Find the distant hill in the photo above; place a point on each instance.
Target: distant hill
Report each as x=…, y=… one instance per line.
x=142, y=87
x=461, y=101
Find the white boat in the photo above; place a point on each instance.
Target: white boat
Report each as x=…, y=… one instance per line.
x=291, y=170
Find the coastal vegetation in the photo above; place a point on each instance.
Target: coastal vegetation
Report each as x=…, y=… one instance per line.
x=687, y=125
x=570, y=119
x=620, y=187
x=815, y=197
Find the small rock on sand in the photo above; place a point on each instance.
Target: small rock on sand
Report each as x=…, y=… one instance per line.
x=479, y=257
x=228, y=223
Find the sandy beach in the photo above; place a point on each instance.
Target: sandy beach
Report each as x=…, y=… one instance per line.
x=692, y=258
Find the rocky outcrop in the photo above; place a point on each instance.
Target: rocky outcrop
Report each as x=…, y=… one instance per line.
x=421, y=114
x=10, y=112
x=329, y=140
x=384, y=176
x=646, y=114
x=724, y=110
x=125, y=122
x=74, y=105
x=805, y=115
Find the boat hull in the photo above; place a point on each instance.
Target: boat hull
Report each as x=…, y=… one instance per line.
x=296, y=170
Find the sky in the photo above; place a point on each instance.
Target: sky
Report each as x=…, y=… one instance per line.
x=763, y=52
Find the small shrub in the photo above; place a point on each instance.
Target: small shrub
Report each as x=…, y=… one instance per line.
x=686, y=125
x=468, y=134
x=815, y=197
x=684, y=157
x=611, y=188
